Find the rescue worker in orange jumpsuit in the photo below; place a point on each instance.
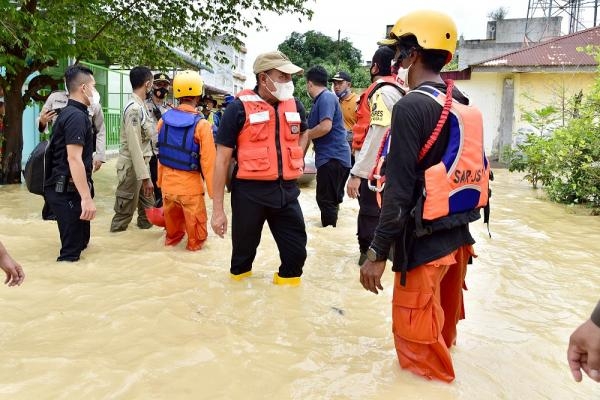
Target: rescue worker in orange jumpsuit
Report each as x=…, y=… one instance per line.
x=185, y=164
x=431, y=252
x=265, y=127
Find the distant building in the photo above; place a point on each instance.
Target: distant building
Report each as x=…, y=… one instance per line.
x=225, y=78
x=548, y=73
x=506, y=35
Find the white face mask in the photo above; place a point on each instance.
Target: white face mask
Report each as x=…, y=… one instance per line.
x=283, y=91
x=94, y=98
x=402, y=78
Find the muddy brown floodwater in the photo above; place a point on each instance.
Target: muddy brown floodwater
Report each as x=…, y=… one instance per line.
x=136, y=320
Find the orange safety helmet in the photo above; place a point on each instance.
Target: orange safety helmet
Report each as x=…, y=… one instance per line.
x=156, y=216
x=434, y=30
x=187, y=84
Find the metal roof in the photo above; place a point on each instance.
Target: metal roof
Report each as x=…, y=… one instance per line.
x=559, y=52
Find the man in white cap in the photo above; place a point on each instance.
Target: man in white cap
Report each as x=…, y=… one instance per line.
x=263, y=129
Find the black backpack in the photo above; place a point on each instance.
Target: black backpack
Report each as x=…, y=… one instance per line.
x=38, y=166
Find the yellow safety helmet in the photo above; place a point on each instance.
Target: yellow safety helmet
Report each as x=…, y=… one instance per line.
x=434, y=30
x=187, y=84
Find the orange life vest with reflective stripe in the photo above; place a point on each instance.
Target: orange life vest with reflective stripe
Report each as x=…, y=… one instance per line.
x=459, y=183
x=363, y=112
x=268, y=146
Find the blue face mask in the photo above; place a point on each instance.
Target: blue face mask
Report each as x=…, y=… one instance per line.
x=343, y=93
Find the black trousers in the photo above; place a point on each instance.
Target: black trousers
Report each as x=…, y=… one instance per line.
x=47, y=214
x=331, y=179
x=154, y=177
x=287, y=227
x=74, y=232
x=368, y=215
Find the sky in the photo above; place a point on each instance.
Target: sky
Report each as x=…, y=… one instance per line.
x=364, y=22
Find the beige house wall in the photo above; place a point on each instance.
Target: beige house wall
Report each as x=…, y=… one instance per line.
x=538, y=90
x=532, y=90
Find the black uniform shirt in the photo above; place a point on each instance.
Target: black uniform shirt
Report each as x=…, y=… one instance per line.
x=269, y=193
x=414, y=118
x=72, y=126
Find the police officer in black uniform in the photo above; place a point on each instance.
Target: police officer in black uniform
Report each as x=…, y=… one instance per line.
x=68, y=188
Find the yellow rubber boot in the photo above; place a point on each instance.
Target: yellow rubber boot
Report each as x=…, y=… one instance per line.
x=294, y=281
x=241, y=276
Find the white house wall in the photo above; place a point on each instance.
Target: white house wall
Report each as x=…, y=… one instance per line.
x=225, y=76
x=531, y=91
x=485, y=91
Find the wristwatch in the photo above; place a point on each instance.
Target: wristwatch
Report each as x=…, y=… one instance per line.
x=373, y=255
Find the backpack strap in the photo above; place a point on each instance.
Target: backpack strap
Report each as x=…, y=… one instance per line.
x=443, y=117
x=383, y=83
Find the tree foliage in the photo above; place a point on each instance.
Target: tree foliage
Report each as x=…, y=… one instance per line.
x=565, y=161
x=36, y=34
x=314, y=48
x=498, y=14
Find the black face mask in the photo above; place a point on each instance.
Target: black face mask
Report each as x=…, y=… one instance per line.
x=161, y=93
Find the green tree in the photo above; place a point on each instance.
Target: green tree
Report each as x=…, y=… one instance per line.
x=498, y=14
x=311, y=48
x=36, y=34
x=566, y=161
x=315, y=48
x=531, y=157
x=542, y=119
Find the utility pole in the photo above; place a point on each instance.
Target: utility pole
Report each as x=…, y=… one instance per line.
x=338, y=50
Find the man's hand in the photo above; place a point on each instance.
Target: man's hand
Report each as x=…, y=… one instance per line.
x=370, y=275
x=46, y=116
x=147, y=187
x=88, y=209
x=12, y=269
x=97, y=165
x=218, y=222
x=584, y=351
x=353, y=186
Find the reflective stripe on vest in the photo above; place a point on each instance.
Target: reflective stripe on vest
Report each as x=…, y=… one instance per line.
x=363, y=112
x=459, y=182
x=176, y=144
x=268, y=146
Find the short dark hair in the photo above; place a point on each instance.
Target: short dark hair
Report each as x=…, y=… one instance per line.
x=139, y=75
x=317, y=75
x=383, y=57
x=210, y=99
x=74, y=76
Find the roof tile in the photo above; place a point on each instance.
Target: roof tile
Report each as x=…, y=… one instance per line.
x=561, y=51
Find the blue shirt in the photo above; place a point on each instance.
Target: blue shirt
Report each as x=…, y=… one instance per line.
x=332, y=145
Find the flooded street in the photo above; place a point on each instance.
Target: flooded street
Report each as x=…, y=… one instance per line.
x=136, y=320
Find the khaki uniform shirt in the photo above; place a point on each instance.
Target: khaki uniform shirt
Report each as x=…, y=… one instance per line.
x=137, y=129
x=59, y=99
x=163, y=107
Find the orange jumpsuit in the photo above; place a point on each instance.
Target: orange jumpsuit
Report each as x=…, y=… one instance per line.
x=425, y=313
x=183, y=191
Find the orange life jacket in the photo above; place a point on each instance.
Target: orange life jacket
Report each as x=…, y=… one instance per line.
x=459, y=183
x=268, y=146
x=363, y=112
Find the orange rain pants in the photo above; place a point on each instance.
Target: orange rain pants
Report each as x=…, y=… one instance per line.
x=185, y=214
x=425, y=313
